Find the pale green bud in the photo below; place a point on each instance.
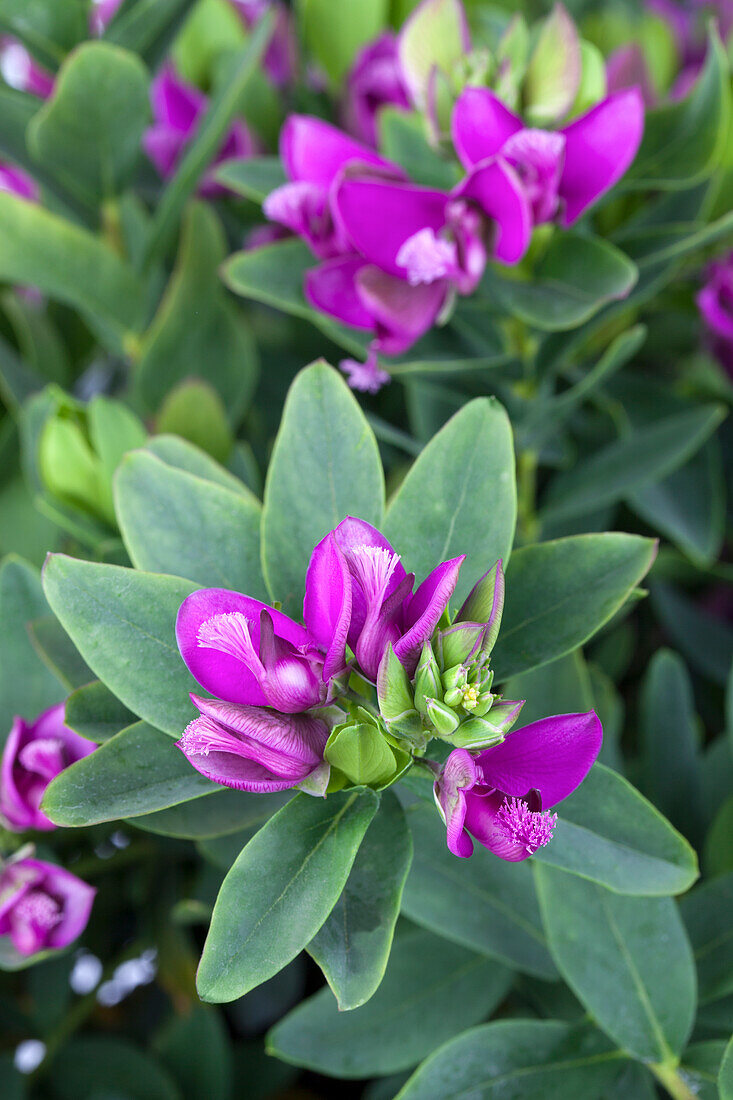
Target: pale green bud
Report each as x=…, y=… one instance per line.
x=444, y=720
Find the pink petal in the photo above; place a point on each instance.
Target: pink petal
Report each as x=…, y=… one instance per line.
x=315, y=151
x=353, y=535
x=552, y=756
x=497, y=189
x=402, y=313
x=424, y=610
x=599, y=148
x=176, y=103
x=457, y=778
x=480, y=125
x=327, y=603
x=481, y=820
x=331, y=287
x=378, y=216
x=163, y=146
x=220, y=673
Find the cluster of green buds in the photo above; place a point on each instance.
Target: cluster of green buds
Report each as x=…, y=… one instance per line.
x=450, y=696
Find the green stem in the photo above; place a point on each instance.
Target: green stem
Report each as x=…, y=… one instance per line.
x=668, y=1075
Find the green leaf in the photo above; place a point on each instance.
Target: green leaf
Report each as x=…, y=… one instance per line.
x=253, y=178
x=432, y=990
x=482, y=903
x=459, y=497
x=49, y=28
x=88, y=133
x=274, y=274
x=558, y=594
x=575, y=278
x=627, y=959
x=725, y=1077
x=324, y=467
x=689, y=506
x=183, y=455
x=683, y=141
x=138, y=771
x=403, y=141
x=70, y=265
x=670, y=743
x=210, y=134
x=213, y=815
x=334, y=41
x=705, y=639
x=148, y=27
x=352, y=948
x=196, y=1050
x=174, y=522
x=94, y=712
x=56, y=649
x=123, y=624
x=518, y=1059
x=27, y=686
x=281, y=890
x=561, y=687
x=608, y=833
x=630, y=462
x=97, y=1065
x=218, y=348
x=194, y=411
x=706, y=913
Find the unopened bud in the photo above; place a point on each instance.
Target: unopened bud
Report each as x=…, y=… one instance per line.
x=444, y=720
x=427, y=679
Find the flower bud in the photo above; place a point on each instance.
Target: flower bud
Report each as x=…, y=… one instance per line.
x=553, y=74
x=481, y=732
x=359, y=750
x=395, y=696
x=427, y=679
x=485, y=604
x=461, y=643
x=442, y=717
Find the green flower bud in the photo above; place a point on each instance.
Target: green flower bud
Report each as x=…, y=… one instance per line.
x=455, y=677
x=480, y=732
x=460, y=644
x=359, y=750
x=427, y=679
x=592, y=81
x=485, y=604
x=444, y=720
x=553, y=74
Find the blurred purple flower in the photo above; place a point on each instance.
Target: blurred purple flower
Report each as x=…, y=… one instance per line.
x=21, y=71
x=384, y=610
x=42, y=906
x=102, y=13
x=375, y=81
x=34, y=754
x=715, y=302
x=15, y=181
x=562, y=172
x=627, y=68
x=501, y=795
x=178, y=108
x=281, y=56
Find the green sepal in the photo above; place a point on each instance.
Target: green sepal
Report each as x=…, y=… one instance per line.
x=485, y=604
x=476, y=733
x=359, y=749
x=461, y=643
x=553, y=74
x=427, y=679
x=444, y=720
x=393, y=688
x=592, y=79
x=454, y=677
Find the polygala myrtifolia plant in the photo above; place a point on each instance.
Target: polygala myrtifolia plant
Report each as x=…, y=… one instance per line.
x=328, y=750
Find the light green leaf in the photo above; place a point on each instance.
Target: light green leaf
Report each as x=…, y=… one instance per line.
x=281, y=890
x=324, y=467
x=459, y=497
x=352, y=948
x=253, y=178
x=627, y=959
x=335, y=41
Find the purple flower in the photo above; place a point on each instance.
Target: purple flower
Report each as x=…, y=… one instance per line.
x=253, y=749
x=715, y=302
x=384, y=610
x=177, y=111
x=562, y=172
x=245, y=652
x=627, y=68
x=375, y=81
x=102, y=13
x=17, y=182
x=281, y=56
x=34, y=754
x=21, y=71
x=501, y=796
x=314, y=154
x=42, y=906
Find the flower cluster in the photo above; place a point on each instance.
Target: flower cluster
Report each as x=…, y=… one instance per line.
x=293, y=706
x=42, y=906
x=394, y=254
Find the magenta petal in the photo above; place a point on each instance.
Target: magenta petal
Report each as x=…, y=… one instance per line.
x=17, y=182
x=378, y=216
x=77, y=897
x=402, y=313
x=552, y=756
x=352, y=536
x=457, y=777
x=315, y=151
x=480, y=125
x=424, y=610
x=599, y=147
x=163, y=147
x=626, y=68
x=220, y=673
x=332, y=288
x=495, y=186
x=176, y=103
x=327, y=603
x=482, y=820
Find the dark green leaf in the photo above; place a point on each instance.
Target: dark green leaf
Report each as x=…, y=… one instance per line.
x=196, y=1051
x=213, y=815
x=148, y=27
x=281, y=890
x=705, y=640
x=102, y=1066
x=725, y=1077
x=95, y=713
x=253, y=178
x=352, y=948
x=54, y=646
x=432, y=990
x=706, y=913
